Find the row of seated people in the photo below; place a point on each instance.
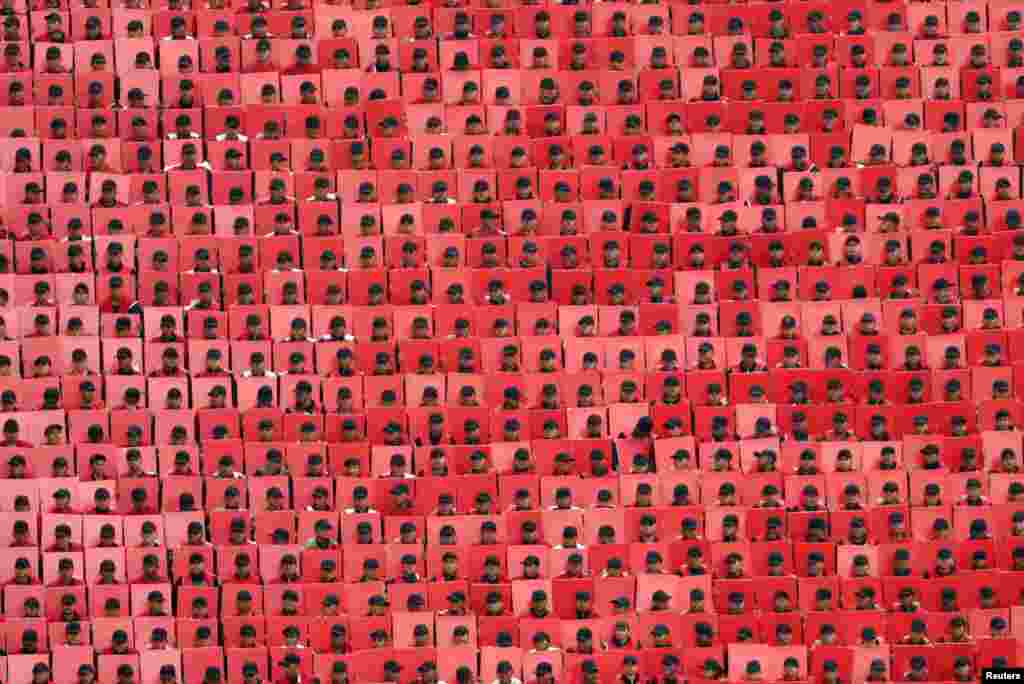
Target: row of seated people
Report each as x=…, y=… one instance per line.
x=608, y=235
x=866, y=15
x=922, y=255
x=607, y=200
x=465, y=418
x=601, y=304
x=580, y=391
x=480, y=540
x=602, y=136
x=853, y=26
x=527, y=326
x=506, y=302
x=266, y=38
x=269, y=122
x=313, y=43
x=594, y=233
x=489, y=189
x=513, y=336
x=297, y=52
x=270, y=126
x=503, y=662
x=386, y=64
x=898, y=265
x=522, y=552
x=971, y=325
x=482, y=183
x=657, y=81
x=406, y=160
x=426, y=666
x=784, y=158
x=387, y=118
x=655, y=78
x=502, y=300
x=529, y=408
x=995, y=452
x=468, y=91
x=636, y=521
x=796, y=269
x=200, y=663
x=498, y=171
x=392, y=114
x=984, y=363
x=654, y=293
x=386, y=424
x=976, y=470
x=991, y=452
x=333, y=635
x=607, y=268
x=523, y=565
x=939, y=266
x=700, y=337
x=856, y=21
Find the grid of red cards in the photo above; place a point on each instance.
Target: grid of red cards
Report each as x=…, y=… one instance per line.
x=499, y=341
